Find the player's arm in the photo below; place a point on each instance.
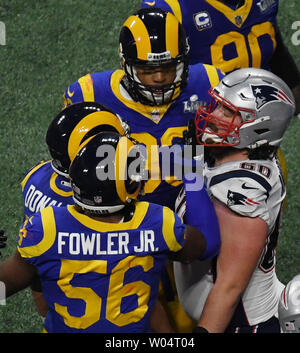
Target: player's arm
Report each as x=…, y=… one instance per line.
x=202, y=235
x=242, y=241
x=16, y=274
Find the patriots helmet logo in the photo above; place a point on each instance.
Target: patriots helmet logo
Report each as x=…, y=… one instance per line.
x=235, y=198
x=265, y=94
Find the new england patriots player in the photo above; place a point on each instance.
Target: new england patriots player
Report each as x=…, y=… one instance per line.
x=158, y=93
x=100, y=260
x=48, y=183
x=289, y=306
x=241, y=129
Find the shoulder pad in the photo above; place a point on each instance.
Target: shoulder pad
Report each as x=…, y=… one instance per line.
x=244, y=192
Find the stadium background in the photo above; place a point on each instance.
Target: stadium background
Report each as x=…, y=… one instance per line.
x=50, y=44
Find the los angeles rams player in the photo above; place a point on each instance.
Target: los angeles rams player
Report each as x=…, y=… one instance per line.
x=153, y=90
x=100, y=260
x=241, y=129
x=158, y=93
x=232, y=34
x=48, y=184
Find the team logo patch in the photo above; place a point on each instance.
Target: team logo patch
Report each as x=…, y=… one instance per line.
x=235, y=198
x=202, y=20
x=265, y=94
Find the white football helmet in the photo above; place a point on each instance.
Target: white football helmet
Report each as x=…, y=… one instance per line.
x=289, y=307
x=262, y=106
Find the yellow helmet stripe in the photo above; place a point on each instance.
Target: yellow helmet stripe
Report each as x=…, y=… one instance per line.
x=122, y=151
x=140, y=35
x=171, y=35
x=88, y=123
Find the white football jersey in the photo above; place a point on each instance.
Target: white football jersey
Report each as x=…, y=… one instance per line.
x=251, y=188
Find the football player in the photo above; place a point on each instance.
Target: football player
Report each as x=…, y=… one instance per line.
x=158, y=93
x=100, y=260
x=289, y=307
x=241, y=129
x=233, y=34
x=156, y=90
x=48, y=184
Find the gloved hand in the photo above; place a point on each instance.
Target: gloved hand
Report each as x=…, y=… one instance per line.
x=189, y=135
x=3, y=239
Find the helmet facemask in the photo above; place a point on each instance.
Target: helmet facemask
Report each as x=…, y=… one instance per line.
x=212, y=130
x=156, y=95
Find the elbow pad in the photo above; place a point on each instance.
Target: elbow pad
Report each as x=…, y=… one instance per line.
x=201, y=214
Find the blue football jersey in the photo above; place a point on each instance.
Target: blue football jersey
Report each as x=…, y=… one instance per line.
x=42, y=187
x=153, y=126
x=96, y=276
x=224, y=36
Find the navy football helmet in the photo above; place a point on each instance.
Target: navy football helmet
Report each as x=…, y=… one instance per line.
x=150, y=38
x=107, y=173
x=73, y=125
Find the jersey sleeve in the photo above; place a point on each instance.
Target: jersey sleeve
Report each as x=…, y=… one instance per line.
x=173, y=230
x=80, y=91
x=244, y=196
x=162, y=4
x=37, y=234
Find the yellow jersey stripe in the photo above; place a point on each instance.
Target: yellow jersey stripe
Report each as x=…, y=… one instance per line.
x=139, y=215
x=168, y=230
x=33, y=170
x=140, y=33
x=171, y=35
x=231, y=14
x=49, y=228
x=143, y=109
x=87, y=88
x=212, y=74
x=175, y=6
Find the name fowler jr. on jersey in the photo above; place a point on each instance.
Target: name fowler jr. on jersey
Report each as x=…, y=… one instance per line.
x=116, y=243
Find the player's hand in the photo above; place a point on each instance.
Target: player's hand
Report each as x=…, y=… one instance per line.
x=189, y=135
x=3, y=239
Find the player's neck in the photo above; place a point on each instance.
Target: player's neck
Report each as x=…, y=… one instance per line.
x=238, y=155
